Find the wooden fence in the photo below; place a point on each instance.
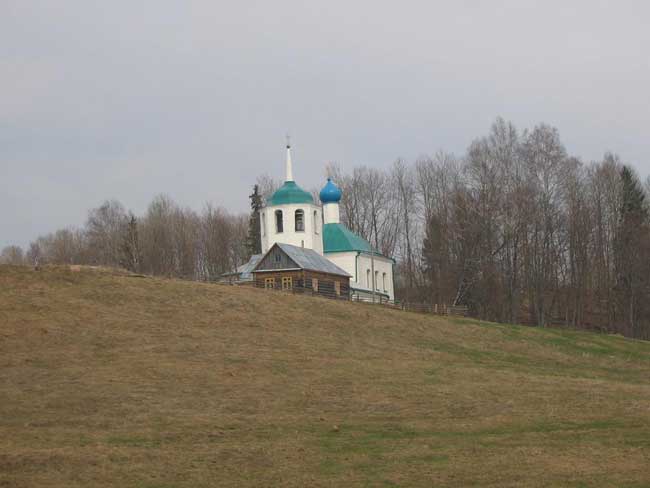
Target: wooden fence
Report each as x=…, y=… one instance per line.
x=437, y=309
x=380, y=300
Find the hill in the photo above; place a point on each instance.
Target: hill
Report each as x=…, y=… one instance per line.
x=108, y=379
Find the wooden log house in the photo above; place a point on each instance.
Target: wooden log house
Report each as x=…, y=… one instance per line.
x=301, y=270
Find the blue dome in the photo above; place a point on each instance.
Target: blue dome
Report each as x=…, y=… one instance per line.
x=330, y=193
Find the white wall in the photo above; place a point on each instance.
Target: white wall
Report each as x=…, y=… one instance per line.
x=383, y=268
x=344, y=260
x=358, y=267
x=311, y=237
x=331, y=213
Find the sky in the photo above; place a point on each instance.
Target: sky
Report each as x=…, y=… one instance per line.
x=129, y=99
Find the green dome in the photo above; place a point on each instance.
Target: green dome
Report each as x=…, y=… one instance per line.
x=290, y=193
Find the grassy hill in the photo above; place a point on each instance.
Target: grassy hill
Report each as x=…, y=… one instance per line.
x=112, y=380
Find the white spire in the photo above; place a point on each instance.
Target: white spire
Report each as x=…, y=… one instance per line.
x=289, y=169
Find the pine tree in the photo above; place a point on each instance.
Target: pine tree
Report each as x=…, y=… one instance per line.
x=254, y=239
x=631, y=246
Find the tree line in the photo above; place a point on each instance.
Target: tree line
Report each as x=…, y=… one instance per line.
x=516, y=229
x=167, y=240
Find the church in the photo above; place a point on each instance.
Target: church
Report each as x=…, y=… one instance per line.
x=304, y=244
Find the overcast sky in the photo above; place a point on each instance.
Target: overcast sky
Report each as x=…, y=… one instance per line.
x=128, y=99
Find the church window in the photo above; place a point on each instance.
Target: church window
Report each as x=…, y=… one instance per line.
x=287, y=283
x=368, y=279
x=269, y=283
x=377, y=280
x=384, y=280
x=300, y=221
x=315, y=222
x=279, y=227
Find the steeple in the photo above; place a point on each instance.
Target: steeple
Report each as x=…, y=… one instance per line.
x=289, y=192
x=291, y=216
x=289, y=168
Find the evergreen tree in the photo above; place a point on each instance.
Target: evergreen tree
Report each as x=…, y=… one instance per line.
x=631, y=249
x=254, y=239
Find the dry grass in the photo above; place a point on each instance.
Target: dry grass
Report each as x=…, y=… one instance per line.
x=112, y=380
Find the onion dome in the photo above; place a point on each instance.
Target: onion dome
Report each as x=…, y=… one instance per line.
x=330, y=193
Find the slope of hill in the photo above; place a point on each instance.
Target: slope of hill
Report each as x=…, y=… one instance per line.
x=112, y=380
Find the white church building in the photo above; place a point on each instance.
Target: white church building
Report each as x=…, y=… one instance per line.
x=291, y=216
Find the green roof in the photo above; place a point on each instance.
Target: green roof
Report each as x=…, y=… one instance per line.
x=290, y=193
x=338, y=238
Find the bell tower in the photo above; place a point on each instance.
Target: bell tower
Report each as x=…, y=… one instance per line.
x=291, y=216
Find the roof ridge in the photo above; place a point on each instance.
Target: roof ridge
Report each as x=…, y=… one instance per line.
x=307, y=258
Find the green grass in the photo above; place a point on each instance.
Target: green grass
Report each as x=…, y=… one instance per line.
x=111, y=380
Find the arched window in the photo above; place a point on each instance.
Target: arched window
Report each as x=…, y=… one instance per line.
x=279, y=227
x=368, y=279
x=377, y=280
x=384, y=280
x=300, y=221
x=315, y=222
x=263, y=224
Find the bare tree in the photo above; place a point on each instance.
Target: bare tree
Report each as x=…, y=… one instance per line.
x=104, y=233
x=577, y=264
x=545, y=159
x=267, y=187
x=65, y=246
x=605, y=195
x=158, y=238
x=222, y=242
x=12, y=255
x=406, y=211
x=131, y=252
x=34, y=255
x=436, y=179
